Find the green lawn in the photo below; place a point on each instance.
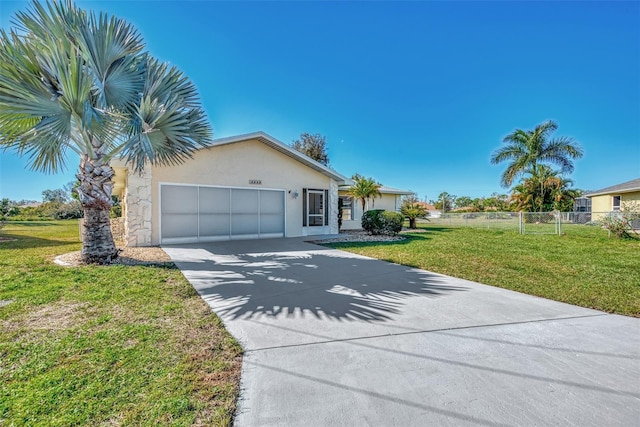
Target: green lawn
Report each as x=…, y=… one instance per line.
x=583, y=267
x=105, y=345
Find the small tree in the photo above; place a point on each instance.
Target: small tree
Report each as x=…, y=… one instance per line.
x=59, y=195
x=7, y=208
x=444, y=202
x=622, y=224
x=463, y=202
x=412, y=209
x=314, y=146
x=364, y=189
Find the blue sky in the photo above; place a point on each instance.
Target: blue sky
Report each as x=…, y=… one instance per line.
x=414, y=94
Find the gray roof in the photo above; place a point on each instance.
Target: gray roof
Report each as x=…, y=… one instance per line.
x=384, y=189
x=625, y=187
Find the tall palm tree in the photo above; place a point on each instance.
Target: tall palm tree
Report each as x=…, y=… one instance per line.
x=524, y=149
x=71, y=80
x=364, y=189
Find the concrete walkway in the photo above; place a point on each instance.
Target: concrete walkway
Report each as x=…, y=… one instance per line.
x=334, y=338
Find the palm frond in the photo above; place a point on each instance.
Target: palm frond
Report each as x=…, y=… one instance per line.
x=111, y=49
x=169, y=124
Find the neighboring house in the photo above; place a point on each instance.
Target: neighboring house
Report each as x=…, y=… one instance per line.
x=612, y=199
x=431, y=210
x=242, y=187
x=390, y=200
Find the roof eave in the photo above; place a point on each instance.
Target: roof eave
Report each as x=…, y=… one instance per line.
x=604, y=193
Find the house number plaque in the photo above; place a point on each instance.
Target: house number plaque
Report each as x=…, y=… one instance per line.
x=255, y=181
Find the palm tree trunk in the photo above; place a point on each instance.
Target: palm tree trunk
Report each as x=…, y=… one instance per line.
x=94, y=191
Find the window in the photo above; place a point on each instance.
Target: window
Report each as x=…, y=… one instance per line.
x=616, y=203
x=347, y=208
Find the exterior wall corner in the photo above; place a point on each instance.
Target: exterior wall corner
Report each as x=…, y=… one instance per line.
x=333, y=207
x=138, y=208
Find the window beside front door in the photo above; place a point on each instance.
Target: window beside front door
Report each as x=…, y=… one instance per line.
x=315, y=212
x=616, y=203
x=347, y=208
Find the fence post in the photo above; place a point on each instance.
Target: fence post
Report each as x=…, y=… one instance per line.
x=520, y=222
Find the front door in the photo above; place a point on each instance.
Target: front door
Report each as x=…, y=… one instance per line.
x=315, y=208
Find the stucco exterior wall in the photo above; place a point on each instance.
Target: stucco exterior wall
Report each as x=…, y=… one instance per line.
x=631, y=197
x=234, y=165
x=604, y=203
x=388, y=202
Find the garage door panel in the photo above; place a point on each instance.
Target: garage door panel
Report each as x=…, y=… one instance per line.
x=179, y=207
x=214, y=200
x=271, y=224
x=272, y=202
x=244, y=201
x=214, y=225
x=179, y=199
x=244, y=224
x=272, y=213
x=244, y=213
x=181, y=225
x=200, y=213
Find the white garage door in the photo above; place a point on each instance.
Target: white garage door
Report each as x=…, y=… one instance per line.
x=202, y=213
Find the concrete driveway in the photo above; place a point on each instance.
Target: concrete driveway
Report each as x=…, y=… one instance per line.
x=334, y=338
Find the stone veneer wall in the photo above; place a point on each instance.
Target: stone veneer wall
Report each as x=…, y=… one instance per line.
x=333, y=208
x=137, y=199
x=117, y=228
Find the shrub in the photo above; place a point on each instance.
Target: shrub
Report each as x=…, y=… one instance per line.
x=622, y=224
x=378, y=221
x=115, y=212
x=371, y=221
x=392, y=222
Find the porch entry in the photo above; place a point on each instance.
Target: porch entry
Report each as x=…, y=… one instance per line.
x=315, y=212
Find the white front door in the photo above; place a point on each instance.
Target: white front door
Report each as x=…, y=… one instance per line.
x=316, y=212
x=315, y=208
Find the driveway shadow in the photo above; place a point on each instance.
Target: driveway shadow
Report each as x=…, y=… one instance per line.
x=310, y=281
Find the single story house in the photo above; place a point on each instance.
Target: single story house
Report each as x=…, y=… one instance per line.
x=242, y=187
x=390, y=200
x=613, y=198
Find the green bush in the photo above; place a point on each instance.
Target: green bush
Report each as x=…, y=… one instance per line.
x=392, y=222
x=115, y=212
x=623, y=223
x=378, y=221
x=372, y=221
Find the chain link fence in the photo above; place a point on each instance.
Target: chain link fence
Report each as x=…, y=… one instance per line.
x=525, y=222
